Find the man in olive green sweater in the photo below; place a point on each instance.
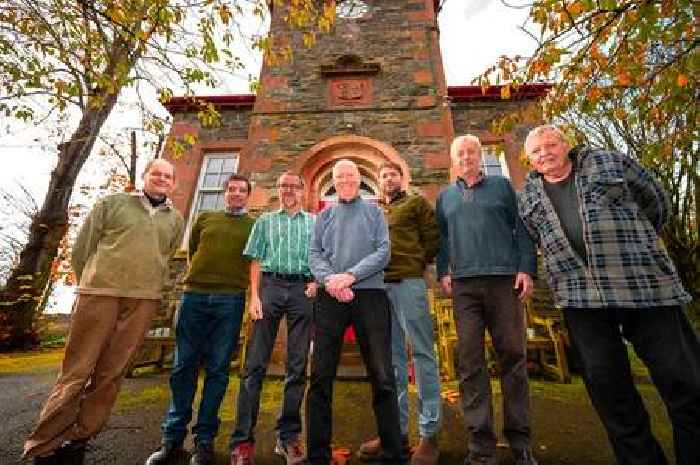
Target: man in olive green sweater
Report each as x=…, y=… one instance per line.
x=120, y=259
x=414, y=242
x=208, y=324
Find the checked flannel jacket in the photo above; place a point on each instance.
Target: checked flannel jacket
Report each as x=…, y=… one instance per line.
x=622, y=208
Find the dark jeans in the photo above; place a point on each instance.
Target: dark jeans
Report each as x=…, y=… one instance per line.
x=208, y=327
x=279, y=298
x=490, y=302
x=369, y=313
x=667, y=345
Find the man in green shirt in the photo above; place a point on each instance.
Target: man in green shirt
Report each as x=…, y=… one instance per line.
x=280, y=286
x=208, y=324
x=414, y=242
x=120, y=259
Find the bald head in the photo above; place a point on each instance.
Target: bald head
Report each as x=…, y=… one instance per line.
x=159, y=178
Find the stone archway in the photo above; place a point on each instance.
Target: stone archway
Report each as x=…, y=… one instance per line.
x=316, y=163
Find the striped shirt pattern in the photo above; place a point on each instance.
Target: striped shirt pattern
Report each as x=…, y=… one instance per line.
x=281, y=242
x=622, y=208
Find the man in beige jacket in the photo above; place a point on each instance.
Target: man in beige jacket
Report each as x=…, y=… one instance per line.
x=120, y=259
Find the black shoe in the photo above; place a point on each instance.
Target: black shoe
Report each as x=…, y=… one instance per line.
x=203, y=454
x=71, y=453
x=48, y=460
x=165, y=454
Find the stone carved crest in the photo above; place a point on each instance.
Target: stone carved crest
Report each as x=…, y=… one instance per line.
x=350, y=92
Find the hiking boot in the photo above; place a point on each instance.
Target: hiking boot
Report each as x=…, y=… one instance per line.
x=524, y=457
x=203, y=454
x=242, y=454
x=372, y=450
x=290, y=450
x=427, y=452
x=164, y=455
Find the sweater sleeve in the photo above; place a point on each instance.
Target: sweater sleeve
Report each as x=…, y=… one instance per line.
x=646, y=191
x=194, y=236
x=89, y=236
x=428, y=229
x=318, y=264
x=527, y=260
x=442, y=259
x=379, y=259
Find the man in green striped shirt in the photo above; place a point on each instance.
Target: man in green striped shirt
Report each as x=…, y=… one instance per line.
x=280, y=285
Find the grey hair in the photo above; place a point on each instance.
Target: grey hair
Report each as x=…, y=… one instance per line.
x=543, y=129
x=458, y=142
x=345, y=162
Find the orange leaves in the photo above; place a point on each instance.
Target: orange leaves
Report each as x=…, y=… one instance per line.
x=623, y=76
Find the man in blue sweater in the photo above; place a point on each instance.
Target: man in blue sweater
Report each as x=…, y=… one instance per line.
x=348, y=253
x=485, y=261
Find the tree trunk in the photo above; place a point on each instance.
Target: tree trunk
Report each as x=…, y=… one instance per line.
x=22, y=294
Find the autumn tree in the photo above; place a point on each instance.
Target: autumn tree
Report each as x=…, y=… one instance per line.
x=78, y=56
x=625, y=77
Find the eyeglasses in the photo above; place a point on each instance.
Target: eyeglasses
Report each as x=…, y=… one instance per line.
x=289, y=187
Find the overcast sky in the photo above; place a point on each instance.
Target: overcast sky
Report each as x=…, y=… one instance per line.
x=473, y=34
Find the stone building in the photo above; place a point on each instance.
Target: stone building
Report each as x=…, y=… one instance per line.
x=372, y=89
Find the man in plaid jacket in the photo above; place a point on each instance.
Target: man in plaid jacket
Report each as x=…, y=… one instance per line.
x=595, y=215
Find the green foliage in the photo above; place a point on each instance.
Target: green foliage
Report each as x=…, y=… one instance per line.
x=625, y=77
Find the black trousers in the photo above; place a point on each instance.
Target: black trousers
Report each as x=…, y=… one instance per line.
x=669, y=348
x=369, y=313
x=279, y=298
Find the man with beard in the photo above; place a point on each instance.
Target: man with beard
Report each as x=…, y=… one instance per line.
x=414, y=242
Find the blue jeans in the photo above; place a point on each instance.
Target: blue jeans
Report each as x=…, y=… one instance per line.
x=410, y=317
x=208, y=328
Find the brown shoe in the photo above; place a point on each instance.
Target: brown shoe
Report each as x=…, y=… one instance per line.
x=427, y=452
x=372, y=450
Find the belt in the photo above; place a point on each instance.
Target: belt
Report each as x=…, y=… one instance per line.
x=296, y=278
x=392, y=280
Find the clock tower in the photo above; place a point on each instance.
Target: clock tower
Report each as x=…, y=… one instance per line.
x=371, y=89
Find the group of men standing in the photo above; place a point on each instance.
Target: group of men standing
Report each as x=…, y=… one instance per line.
x=595, y=215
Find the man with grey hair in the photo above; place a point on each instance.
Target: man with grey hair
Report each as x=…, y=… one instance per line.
x=120, y=259
x=596, y=215
x=486, y=262
x=348, y=253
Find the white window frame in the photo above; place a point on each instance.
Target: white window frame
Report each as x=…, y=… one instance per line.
x=493, y=149
x=233, y=154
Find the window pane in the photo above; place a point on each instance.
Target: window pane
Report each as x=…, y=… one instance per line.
x=220, y=204
x=229, y=165
x=211, y=180
x=207, y=201
x=214, y=165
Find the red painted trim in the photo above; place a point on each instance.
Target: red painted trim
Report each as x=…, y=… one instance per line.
x=182, y=104
x=468, y=93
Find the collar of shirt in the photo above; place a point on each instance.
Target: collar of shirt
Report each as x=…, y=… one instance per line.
x=167, y=205
x=347, y=202
x=282, y=211
x=398, y=195
x=235, y=213
x=462, y=183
